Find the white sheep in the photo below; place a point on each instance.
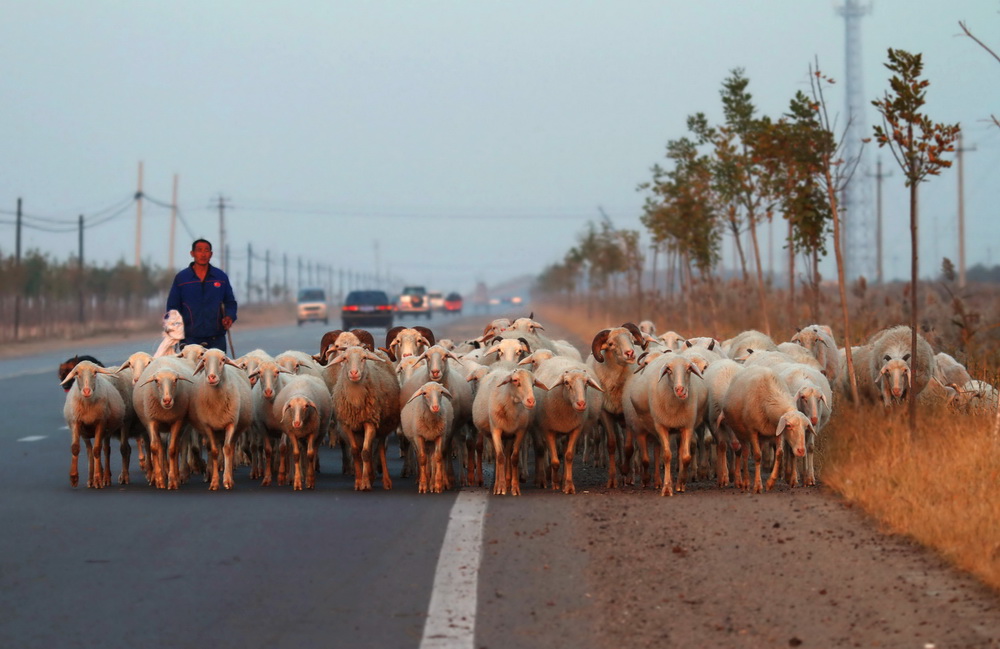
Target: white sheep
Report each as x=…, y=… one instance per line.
x=612, y=361
x=366, y=409
x=718, y=376
x=818, y=340
x=672, y=340
x=758, y=406
x=427, y=419
x=814, y=397
x=303, y=408
x=736, y=347
x=506, y=351
x=647, y=328
x=905, y=377
x=161, y=399
x=949, y=371
x=502, y=411
x=669, y=395
x=402, y=342
x=221, y=409
x=267, y=380
x=94, y=410
x=565, y=410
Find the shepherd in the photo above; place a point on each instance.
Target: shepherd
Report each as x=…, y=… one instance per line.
x=203, y=295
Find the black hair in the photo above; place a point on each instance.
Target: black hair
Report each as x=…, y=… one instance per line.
x=197, y=241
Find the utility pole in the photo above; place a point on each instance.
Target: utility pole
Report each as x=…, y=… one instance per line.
x=879, y=277
x=17, y=270
x=222, y=230
x=173, y=226
x=138, y=220
x=80, y=259
x=267, y=276
x=249, y=268
x=961, y=211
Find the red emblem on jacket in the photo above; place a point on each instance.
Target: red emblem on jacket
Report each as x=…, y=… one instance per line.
x=218, y=284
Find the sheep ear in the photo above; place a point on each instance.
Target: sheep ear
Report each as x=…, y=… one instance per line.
x=827, y=329
x=415, y=395
x=506, y=380
x=693, y=368
x=782, y=425
x=150, y=380
x=711, y=345
x=445, y=392
x=179, y=378
x=200, y=366
x=69, y=377
x=453, y=357
x=906, y=357
x=539, y=384
x=594, y=384
x=537, y=326
x=527, y=360
x=288, y=404
x=253, y=376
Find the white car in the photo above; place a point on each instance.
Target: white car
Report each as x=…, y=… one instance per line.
x=311, y=306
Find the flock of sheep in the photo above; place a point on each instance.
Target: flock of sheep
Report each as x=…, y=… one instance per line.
x=202, y=412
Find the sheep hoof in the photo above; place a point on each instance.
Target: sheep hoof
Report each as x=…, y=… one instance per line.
x=74, y=480
x=123, y=478
x=569, y=489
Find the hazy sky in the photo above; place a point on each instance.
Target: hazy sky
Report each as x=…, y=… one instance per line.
x=446, y=141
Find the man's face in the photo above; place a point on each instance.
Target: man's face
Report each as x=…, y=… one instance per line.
x=201, y=254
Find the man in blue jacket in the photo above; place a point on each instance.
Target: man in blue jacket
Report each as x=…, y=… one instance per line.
x=204, y=297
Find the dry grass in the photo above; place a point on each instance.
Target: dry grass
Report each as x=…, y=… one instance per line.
x=939, y=488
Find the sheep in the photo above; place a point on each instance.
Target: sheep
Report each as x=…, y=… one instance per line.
x=736, y=347
x=427, y=418
x=799, y=354
x=653, y=405
x=267, y=381
x=94, y=410
x=563, y=410
x=757, y=404
x=366, y=404
x=69, y=364
x=814, y=398
x=718, y=376
x=949, y=371
x=647, y=328
x=136, y=363
x=894, y=344
x=192, y=353
x=221, y=403
x=754, y=358
x=671, y=340
x=977, y=396
x=251, y=360
x=506, y=351
x=303, y=409
x=868, y=391
x=161, y=400
x=494, y=328
x=502, y=409
x=401, y=342
x=445, y=368
x=613, y=372
x=818, y=340
x=336, y=341
x=535, y=359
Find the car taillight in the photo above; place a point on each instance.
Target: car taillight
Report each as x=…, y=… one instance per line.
x=384, y=307
x=350, y=307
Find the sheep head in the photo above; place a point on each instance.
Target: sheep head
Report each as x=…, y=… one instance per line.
x=793, y=424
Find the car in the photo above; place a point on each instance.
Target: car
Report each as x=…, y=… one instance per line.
x=453, y=303
x=436, y=300
x=311, y=306
x=413, y=301
x=367, y=308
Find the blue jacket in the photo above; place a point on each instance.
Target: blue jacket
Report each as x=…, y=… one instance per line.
x=198, y=302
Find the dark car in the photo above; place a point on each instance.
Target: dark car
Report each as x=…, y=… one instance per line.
x=453, y=303
x=367, y=309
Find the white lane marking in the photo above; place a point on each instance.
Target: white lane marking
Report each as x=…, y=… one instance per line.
x=32, y=438
x=451, y=616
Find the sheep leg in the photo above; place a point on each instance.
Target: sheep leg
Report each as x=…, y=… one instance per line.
x=355, y=446
x=74, y=463
x=106, y=451
x=721, y=463
x=480, y=441
x=567, y=483
x=684, y=457
x=515, y=456
x=229, y=450
x=283, y=460
x=499, y=463
x=663, y=435
x=268, y=461
x=757, y=456
x=810, y=471
x=628, y=450
x=173, y=451
x=90, y=461
x=440, y=481
x=296, y=462
x=368, y=469
x=213, y=462
x=549, y=447
x=778, y=453
x=126, y=450
x=642, y=441
x=609, y=433
x=423, y=478
x=386, y=478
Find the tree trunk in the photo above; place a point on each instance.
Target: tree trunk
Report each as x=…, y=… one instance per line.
x=734, y=226
x=841, y=283
x=791, y=278
x=815, y=286
x=760, y=275
x=914, y=273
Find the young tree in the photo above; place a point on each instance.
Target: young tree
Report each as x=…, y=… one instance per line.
x=917, y=144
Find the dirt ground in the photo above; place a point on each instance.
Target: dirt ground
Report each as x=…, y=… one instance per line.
x=718, y=568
